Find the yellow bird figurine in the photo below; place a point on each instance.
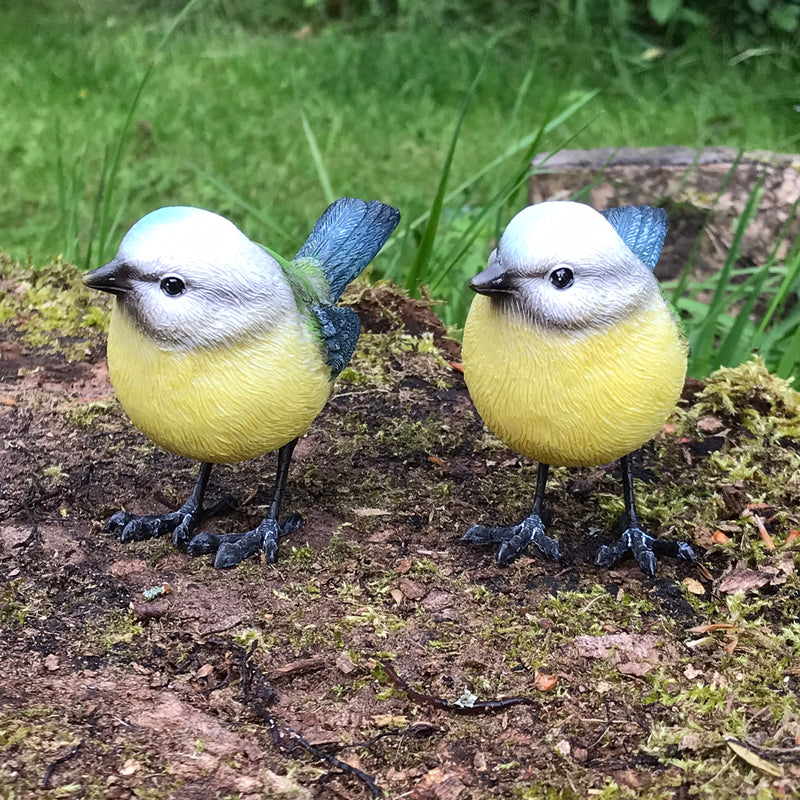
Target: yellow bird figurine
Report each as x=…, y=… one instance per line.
x=573, y=358
x=220, y=352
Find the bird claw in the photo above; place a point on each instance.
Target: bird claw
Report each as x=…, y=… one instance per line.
x=233, y=548
x=514, y=539
x=137, y=528
x=645, y=548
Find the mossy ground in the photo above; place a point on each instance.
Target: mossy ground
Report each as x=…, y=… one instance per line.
x=105, y=694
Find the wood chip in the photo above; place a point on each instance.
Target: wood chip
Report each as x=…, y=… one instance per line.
x=299, y=667
x=718, y=537
x=371, y=512
x=345, y=664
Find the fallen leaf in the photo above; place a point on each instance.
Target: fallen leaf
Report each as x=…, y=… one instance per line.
x=731, y=644
x=205, y=670
x=412, y=590
x=704, y=571
x=753, y=759
x=397, y=595
x=742, y=579
x=792, y=536
x=544, y=682
x=714, y=626
x=694, y=586
x=436, y=784
x=720, y=538
x=439, y=462
x=129, y=767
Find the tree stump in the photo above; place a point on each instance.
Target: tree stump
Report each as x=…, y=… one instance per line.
x=705, y=192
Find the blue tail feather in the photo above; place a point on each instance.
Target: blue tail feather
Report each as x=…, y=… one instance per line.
x=642, y=228
x=347, y=237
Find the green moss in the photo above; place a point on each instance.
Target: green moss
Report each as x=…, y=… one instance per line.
x=51, y=309
x=763, y=403
x=85, y=414
x=384, y=360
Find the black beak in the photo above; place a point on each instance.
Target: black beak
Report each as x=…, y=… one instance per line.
x=113, y=278
x=493, y=280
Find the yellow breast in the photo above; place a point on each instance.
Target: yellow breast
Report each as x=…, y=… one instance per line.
x=573, y=399
x=222, y=404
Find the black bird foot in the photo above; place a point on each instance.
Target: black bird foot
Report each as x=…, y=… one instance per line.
x=135, y=528
x=232, y=548
x=645, y=548
x=514, y=539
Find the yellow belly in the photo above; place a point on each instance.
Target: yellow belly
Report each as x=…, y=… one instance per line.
x=222, y=404
x=573, y=399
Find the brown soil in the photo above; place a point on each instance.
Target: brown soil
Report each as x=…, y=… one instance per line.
x=270, y=680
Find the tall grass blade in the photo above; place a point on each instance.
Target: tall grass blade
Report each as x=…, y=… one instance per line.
x=265, y=218
x=791, y=355
x=683, y=280
x=423, y=254
x=510, y=152
x=704, y=338
x=319, y=164
x=101, y=228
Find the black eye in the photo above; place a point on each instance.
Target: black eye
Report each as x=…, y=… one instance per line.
x=562, y=277
x=173, y=286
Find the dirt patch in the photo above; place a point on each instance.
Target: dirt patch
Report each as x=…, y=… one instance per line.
x=271, y=680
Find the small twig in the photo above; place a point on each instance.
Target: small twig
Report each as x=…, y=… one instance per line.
x=418, y=730
x=257, y=694
x=606, y=726
x=295, y=739
x=60, y=760
x=300, y=667
x=480, y=707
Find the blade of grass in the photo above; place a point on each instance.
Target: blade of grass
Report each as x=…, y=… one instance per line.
x=420, y=263
x=683, y=280
x=100, y=222
x=791, y=356
x=510, y=152
x=704, y=337
x=264, y=217
x=319, y=164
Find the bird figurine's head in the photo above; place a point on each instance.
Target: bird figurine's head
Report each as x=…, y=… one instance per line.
x=561, y=265
x=190, y=278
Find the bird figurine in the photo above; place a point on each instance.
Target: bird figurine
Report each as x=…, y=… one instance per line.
x=572, y=357
x=220, y=351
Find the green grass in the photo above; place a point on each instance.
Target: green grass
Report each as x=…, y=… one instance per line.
x=253, y=115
